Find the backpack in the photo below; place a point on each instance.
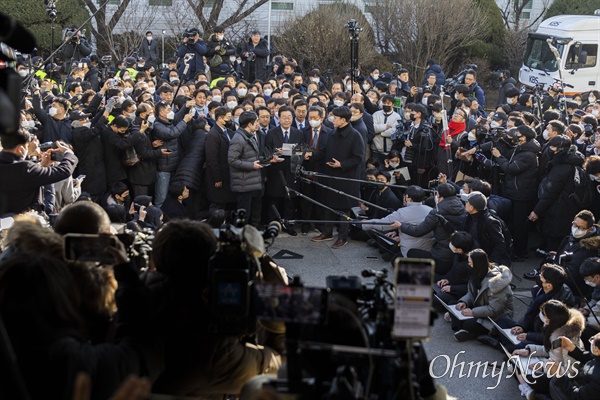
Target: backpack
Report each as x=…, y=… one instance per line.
x=583, y=195
x=508, y=239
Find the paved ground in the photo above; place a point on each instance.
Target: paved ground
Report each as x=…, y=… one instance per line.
x=319, y=261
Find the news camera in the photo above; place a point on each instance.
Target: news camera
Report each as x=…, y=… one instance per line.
x=450, y=86
x=138, y=246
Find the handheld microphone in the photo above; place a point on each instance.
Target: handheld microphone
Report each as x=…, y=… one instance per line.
x=284, y=182
x=368, y=273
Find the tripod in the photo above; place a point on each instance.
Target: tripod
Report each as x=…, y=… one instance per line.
x=352, y=26
x=51, y=11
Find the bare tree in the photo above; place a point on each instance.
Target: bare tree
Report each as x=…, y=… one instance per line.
x=318, y=38
x=209, y=12
x=104, y=27
x=413, y=31
x=513, y=14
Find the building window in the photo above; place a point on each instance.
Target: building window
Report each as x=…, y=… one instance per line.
x=525, y=15
x=109, y=2
x=592, y=56
x=209, y=3
x=528, y=5
x=279, y=6
x=164, y=3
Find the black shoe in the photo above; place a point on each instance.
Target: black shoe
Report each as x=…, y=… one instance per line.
x=291, y=231
x=532, y=276
x=490, y=341
x=372, y=243
x=463, y=335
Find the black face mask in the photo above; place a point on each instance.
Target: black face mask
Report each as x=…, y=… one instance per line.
x=412, y=117
x=386, y=109
x=228, y=124
x=298, y=85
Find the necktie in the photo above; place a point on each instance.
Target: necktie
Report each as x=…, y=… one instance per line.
x=286, y=138
x=315, y=138
x=300, y=126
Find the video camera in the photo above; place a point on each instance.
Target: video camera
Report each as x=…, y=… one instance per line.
x=138, y=245
x=450, y=86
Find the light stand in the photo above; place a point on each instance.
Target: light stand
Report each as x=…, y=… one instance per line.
x=163, y=49
x=51, y=11
x=354, y=30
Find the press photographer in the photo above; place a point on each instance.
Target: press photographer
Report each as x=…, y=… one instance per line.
x=194, y=47
x=77, y=45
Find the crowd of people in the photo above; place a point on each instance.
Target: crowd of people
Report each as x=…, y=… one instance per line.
x=431, y=170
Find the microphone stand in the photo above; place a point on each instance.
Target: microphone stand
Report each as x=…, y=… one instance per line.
x=318, y=221
x=344, y=194
x=302, y=195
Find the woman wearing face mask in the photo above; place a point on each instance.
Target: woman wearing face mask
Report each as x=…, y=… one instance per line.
x=559, y=321
x=489, y=295
x=241, y=89
x=555, y=208
x=468, y=166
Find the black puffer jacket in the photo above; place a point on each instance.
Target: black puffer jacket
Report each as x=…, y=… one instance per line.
x=554, y=204
x=453, y=210
x=191, y=168
x=521, y=172
x=88, y=147
x=168, y=133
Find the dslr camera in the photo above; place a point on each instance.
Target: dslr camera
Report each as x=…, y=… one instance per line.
x=251, y=56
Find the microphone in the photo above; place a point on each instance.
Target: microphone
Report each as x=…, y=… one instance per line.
x=368, y=273
x=307, y=173
x=284, y=182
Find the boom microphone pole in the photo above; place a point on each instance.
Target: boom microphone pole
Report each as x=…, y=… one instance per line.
x=302, y=195
x=340, y=192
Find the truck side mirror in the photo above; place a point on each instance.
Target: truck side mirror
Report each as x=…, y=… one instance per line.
x=582, y=58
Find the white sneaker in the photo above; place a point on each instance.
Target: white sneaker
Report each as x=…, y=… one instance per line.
x=527, y=391
x=447, y=317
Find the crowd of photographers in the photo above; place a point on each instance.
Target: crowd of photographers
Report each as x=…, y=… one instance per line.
x=129, y=146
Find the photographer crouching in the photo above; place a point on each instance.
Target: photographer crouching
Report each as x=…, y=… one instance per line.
x=205, y=354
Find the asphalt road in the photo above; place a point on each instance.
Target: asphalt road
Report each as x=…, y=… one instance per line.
x=319, y=260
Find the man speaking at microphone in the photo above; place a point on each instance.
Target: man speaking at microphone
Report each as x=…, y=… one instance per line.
x=343, y=158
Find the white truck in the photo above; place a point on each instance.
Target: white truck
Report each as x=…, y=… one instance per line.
x=564, y=46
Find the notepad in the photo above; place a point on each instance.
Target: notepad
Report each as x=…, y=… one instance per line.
x=506, y=333
x=523, y=362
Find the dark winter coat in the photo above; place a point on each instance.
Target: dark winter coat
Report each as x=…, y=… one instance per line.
x=440, y=77
x=386, y=199
x=225, y=45
x=143, y=173
x=196, y=64
x=504, y=86
x=216, y=149
x=113, y=150
x=587, y=383
x=311, y=164
x=259, y=64
x=520, y=182
x=53, y=129
x=169, y=133
x=453, y=210
x=274, y=140
x=582, y=248
x=88, y=147
x=554, y=205
x=149, y=50
x=487, y=234
x=346, y=146
x=77, y=52
x=243, y=151
x=191, y=168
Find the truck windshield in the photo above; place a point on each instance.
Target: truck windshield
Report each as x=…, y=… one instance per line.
x=539, y=56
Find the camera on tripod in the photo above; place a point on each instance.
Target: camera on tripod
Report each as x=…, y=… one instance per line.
x=450, y=86
x=352, y=26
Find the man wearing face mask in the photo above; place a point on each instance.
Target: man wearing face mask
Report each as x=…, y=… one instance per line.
x=219, y=45
x=553, y=128
x=168, y=127
x=520, y=184
x=22, y=180
x=590, y=270
x=56, y=125
x=194, y=47
x=384, y=123
x=507, y=83
x=88, y=147
x=149, y=49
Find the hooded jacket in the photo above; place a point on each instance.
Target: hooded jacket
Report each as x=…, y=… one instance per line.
x=494, y=299
x=572, y=330
x=521, y=171
x=580, y=249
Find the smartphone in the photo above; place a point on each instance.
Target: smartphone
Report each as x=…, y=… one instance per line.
x=81, y=177
x=293, y=304
x=556, y=344
x=192, y=111
x=413, y=279
x=85, y=247
x=169, y=150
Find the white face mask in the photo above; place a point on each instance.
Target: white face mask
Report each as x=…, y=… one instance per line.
x=309, y=91
x=348, y=87
x=494, y=124
x=375, y=76
x=216, y=98
x=314, y=123
x=242, y=92
x=232, y=104
x=595, y=113
x=592, y=177
x=591, y=99
x=170, y=115
x=578, y=233
x=151, y=89
x=394, y=165
x=25, y=124
x=452, y=248
x=220, y=37
x=87, y=125
x=543, y=318
x=472, y=137
x=31, y=124
x=546, y=135
x=232, y=59
x=22, y=73
x=174, y=80
x=149, y=38
x=366, y=87
x=456, y=96
x=437, y=116
x=589, y=283
x=151, y=118
x=511, y=100
x=268, y=92
x=253, y=94
x=330, y=118
x=126, y=78
x=338, y=102
x=354, y=118
x=128, y=90
x=315, y=80
x=285, y=95
x=52, y=111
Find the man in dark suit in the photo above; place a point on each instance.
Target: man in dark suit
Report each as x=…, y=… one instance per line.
x=300, y=111
x=217, y=166
x=368, y=120
x=21, y=180
x=316, y=138
x=275, y=189
x=149, y=50
x=343, y=157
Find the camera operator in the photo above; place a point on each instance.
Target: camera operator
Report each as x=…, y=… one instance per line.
x=192, y=46
x=22, y=179
x=55, y=122
x=77, y=45
x=418, y=150
x=254, y=55
x=199, y=362
x=219, y=47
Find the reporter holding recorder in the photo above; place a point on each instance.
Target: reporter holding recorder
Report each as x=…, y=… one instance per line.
x=21, y=180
